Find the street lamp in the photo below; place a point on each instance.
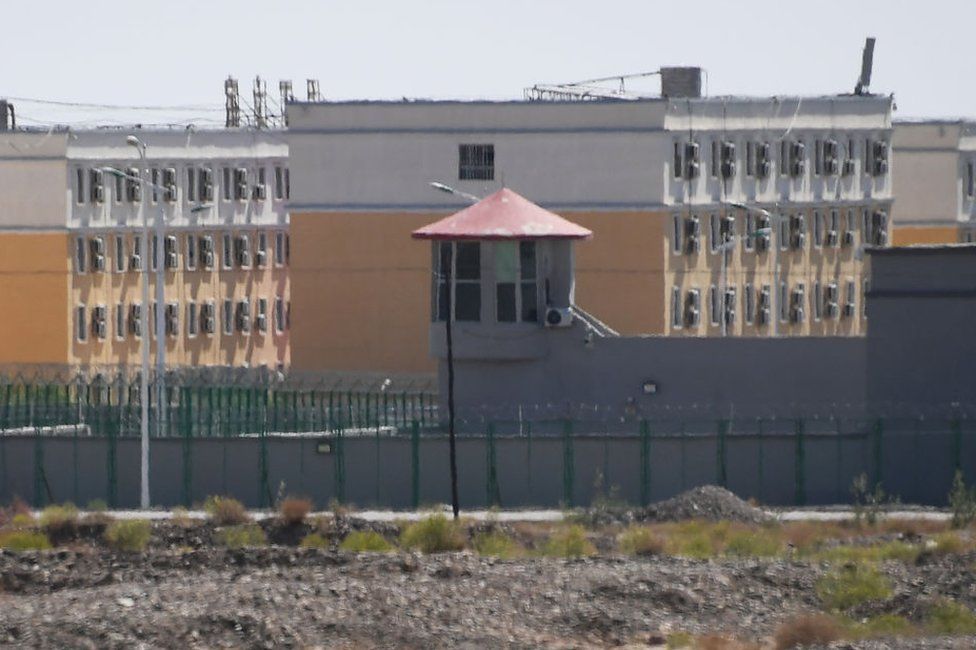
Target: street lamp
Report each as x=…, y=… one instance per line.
x=449, y=335
x=774, y=219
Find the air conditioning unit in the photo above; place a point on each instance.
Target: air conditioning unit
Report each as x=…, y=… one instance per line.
x=209, y=325
x=847, y=168
x=133, y=188
x=135, y=262
x=243, y=317
x=830, y=293
x=763, y=316
x=848, y=238
x=260, y=257
x=692, y=235
x=96, y=182
x=728, y=168
x=796, y=314
x=169, y=182
x=100, y=329
x=260, y=192
x=243, y=257
x=763, y=168
x=98, y=263
x=135, y=320
x=261, y=322
x=831, y=239
x=830, y=167
x=831, y=310
x=692, y=315
x=798, y=240
x=797, y=168
x=728, y=159
x=171, y=261
x=849, y=310
x=762, y=242
x=559, y=317
x=880, y=167
x=692, y=169
x=207, y=259
x=879, y=228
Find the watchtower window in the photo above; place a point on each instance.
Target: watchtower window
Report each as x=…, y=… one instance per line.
x=462, y=260
x=515, y=282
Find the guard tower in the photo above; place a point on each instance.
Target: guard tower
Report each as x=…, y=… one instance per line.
x=508, y=265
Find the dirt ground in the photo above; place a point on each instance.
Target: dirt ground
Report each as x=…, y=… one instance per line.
x=292, y=597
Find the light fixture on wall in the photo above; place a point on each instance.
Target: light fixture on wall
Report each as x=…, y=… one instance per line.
x=649, y=387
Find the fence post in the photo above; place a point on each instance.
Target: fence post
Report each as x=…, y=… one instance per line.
x=39, y=478
x=415, y=464
x=263, y=488
x=493, y=495
x=645, y=463
x=720, y=461
x=569, y=463
x=800, y=464
x=877, y=447
x=187, y=449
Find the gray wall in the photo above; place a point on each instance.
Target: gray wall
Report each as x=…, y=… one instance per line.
x=714, y=376
x=922, y=311
x=766, y=460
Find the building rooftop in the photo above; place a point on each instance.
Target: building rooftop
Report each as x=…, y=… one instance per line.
x=503, y=215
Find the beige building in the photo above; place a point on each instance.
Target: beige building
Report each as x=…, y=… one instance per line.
x=660, y=181
x=935, y=162
x=74, y=251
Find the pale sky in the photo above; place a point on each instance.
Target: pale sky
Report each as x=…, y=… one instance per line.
x=178, y=52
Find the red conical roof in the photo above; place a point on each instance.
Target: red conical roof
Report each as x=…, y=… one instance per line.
x=503, y=215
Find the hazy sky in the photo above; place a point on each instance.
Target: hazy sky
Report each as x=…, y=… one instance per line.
x=178, y=52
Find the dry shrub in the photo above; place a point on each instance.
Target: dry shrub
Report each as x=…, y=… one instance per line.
x=807, y=630
x=640, y=540
x=60, y=521
x=569, y=541
x=24, y=540
x=808, y=536
x=293, y=510
x=20, y=507
x=225, y=511
x=913, y=527
x=721, y=642
x=181, y=517
x=129, y=534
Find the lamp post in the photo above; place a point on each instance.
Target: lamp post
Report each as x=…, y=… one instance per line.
x=774, y=219
x=449, y=335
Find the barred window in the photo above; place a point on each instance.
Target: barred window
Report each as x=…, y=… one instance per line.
x=476, y=162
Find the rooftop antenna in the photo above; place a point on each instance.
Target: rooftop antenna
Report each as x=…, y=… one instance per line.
x=260, y=104
x=284, y=89
x=232, y=107
x=867, y=60
x=312, y=90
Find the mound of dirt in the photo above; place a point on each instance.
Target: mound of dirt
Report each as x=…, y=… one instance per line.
x=706, y=502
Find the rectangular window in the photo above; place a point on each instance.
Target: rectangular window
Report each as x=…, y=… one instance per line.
x=279, y=180
x=240, y=184
x=715, y=158
x=154, y=253
x=205, y=185
x=81, y=323
x=676, y=161
x=817, y=301
x=784, y=233
x=817, y=157
x=261, y=187
x=835, y=225
x=81, y=255
x=750, y=159
x=515, y=286
x=206, y=248
x=135, y=320
x=714, y=306
x=750, y=299
x=818, y=228
x=783, y=302
x=467, y=282
x=225, y=183
x=154, y=176
x=784, y=157
x=279, y=259
x=867, y=156
x=970, y=187
x=228, y=316
x=287, y=183
x=279, y=314
x=119, y=188
x=191, y=185
x=749, y=236
x=120, y=253
x=677, y=232
x=866, y=288
x=227, y=251
x=527, y=269
x=851, y=153
x=476, y=162
x=244, y=316
x=677, y=316
x=192, y=322
x=191, y=252
x=714, y=232
x=79, y=185
x=262, y=314
x=120, y=321
x=261, y=255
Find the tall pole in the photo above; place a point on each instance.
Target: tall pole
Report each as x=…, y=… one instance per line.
x=144, y=333
x=160, y=323
x=722, y=297
x=777, y=229
x=449, y=330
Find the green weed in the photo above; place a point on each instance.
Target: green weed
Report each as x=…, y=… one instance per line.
x=24, y=540
x=569, y=541
x=950, y=617
x=366, y=541
x=315, y=540
x=242, y=536
x=640, y=540
x=128, y=535
x=497, y=544
x=433, y=534
x=852, y=585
